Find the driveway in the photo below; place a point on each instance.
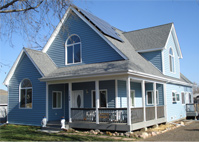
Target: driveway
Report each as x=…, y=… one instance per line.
x=187, y=133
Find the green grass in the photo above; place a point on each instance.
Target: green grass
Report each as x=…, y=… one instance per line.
x=30, y=133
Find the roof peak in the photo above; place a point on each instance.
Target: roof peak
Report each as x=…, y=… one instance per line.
x=149, y=27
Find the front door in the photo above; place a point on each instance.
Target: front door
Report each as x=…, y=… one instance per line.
x=78, y=99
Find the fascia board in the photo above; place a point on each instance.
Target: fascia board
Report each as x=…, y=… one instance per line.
x=150, y=50
x=12, y=70
x=56, y=31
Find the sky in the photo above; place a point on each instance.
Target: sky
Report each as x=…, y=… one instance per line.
x=129, y=15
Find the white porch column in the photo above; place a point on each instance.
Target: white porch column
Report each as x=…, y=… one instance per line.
x=165, y=101
x=70, y=100
x=47, y=101
x=128, y=93
x=143, y=100
x=97, y=100
x=155, y=101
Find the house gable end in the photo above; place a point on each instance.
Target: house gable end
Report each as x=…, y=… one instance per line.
x=94, y=49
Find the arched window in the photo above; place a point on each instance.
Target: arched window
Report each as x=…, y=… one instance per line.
x=25, y=94
x=73, y=50
x=171, y=60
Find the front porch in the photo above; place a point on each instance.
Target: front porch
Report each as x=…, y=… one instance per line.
x=113, y=104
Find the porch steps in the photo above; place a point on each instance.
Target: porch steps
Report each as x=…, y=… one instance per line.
x=54, y=126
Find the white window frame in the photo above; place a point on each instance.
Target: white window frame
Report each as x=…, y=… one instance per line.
x=57, y=100
x=66, y=50
x=173, y=63
x=152, y=97
x=26, y=88
x=176, y=97
x=184, y=98
x=134, y=99
x=99, y=98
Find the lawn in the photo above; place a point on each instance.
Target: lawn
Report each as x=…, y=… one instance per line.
x=30, y=133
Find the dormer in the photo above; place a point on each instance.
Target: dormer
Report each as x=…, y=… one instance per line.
x=159, y=45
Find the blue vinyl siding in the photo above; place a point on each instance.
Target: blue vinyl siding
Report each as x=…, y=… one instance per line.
x=176, y=72
x=110, y=87
x=26, y=69
x=94, y=48
x=154, y=57
x=138, y=93
x=122, y=100
x=176, y=110
x=56, y=114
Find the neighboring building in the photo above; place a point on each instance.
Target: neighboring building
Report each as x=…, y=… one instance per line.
x=3, y=105
x=99, y=77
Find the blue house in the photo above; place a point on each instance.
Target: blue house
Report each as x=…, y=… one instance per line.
x=99, y=77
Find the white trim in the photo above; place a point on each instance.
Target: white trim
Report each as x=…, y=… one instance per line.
x=106, y=90
x=66, y=50
x=133, y=106
x=143, y=100
x=149, y=50
x=157, y=99
x=128, y=95
x=173, y=91
x=25, y=88
x=82, y=91
x=173, y=31
x=47, y=101
x=57, y=99
x=165, y=100
x=184, y=98
x=8, y=105
x=163, y=65
x=69, y=100
x=56, y=31
x=116, y=93
x=97, y=100
x=140, y=74
x=173, y=64
x=151, y=96
x=99, y=33
x=12, y=70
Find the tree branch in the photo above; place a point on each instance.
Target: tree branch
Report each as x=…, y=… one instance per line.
x=19, y=10
x=8, y=4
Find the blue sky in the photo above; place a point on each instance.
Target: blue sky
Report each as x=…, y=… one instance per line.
x=129, y=15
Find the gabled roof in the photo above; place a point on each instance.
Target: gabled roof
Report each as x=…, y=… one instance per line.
x=152, y=38
x=40, y=60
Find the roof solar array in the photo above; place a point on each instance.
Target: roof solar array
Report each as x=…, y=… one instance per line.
x=105, y=27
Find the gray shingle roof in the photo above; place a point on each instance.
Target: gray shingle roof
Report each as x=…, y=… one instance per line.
x=42, y=60
x=149, y=38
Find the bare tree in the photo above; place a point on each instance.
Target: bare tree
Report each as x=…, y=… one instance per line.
x=195, y=88
x=34, y=20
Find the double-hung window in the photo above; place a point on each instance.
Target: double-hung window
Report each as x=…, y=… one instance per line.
x=26, y=94
x=175, y=97
x=150, y=98
x=102, y=98
x=183, y=98
x=73, y=50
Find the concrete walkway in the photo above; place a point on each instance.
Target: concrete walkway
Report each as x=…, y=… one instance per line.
x=187, y=133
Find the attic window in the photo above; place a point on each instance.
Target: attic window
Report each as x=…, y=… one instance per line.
x=73, y=50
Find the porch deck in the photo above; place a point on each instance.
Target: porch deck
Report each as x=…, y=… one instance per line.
x=115, y=119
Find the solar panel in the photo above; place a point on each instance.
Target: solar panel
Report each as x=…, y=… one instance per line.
x=105, y=27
